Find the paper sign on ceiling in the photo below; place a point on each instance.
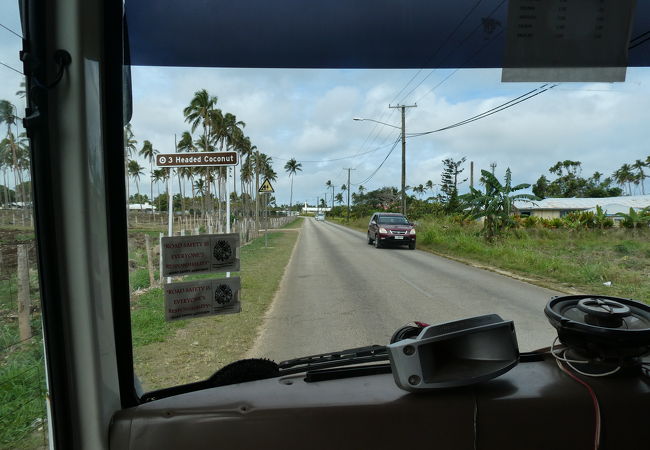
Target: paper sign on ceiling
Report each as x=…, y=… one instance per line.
x=567, y=40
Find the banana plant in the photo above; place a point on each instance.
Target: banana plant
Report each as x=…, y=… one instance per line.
x=495, y=205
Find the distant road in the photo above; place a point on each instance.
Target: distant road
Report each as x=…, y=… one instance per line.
x=339, y=292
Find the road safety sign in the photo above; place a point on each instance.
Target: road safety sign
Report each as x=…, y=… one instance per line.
x=183, y=255
x=266, y=186
x=202, y=298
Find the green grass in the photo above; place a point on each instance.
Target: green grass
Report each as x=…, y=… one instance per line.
x=186, y=351
x=22, y=396
x=576, y=260
x=148, y=323
x=295, y=223
x=22, y=377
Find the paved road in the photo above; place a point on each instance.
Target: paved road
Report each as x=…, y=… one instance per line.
x=339, y=292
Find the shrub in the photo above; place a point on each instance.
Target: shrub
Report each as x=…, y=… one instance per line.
x=530, y=222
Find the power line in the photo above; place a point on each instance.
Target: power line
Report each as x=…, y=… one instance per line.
x=635, y=38
x=639, y=43
x=10, y=30
x=334, y=159
x=11, y=68
x=463, y=65
x=435, y=53
x=380, y=165
x=460, y=24
x=489, y=112
x=454, y=50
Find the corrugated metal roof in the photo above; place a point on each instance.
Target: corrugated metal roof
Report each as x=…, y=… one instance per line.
x=630, y=201
x=613, y=209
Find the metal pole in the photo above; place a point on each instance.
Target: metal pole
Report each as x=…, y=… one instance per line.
x=266, y=231
x=227, y=207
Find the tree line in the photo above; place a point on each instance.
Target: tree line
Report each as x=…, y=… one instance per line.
x=14, y=157
x=210, y=129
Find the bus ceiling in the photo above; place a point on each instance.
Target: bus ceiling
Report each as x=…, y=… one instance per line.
x=376, y=34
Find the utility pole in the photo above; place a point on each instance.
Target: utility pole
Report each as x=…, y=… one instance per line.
x=493, y=166
x=348, y=190
x=403, y=108
x=471, y=174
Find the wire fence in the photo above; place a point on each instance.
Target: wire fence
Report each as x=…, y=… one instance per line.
x=23, y=393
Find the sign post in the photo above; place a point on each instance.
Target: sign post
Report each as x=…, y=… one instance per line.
x=198, y=159
x=266, y=188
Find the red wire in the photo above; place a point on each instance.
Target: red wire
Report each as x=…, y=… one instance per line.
x=593, y=398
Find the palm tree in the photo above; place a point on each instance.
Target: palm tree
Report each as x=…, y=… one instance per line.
x=261, y=164
x=7, y=114
x=135, y=171
x=16, y=148
x=362, y=189
x=5, y=163
x=247, y=174
x=157, y=176
x=339, y=198
x=130, y=148
x=199, y=188
x=329, y=185
x=428, y=186
x=201, y=112
x=149, y=153
x=639, y=165
x=623, y=176
x=291, y=167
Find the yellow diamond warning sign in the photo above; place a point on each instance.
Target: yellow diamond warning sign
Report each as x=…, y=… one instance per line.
x=266, y=187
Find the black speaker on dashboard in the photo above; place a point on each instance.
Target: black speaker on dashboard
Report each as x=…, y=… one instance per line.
x=453, y=354
x=603, y=331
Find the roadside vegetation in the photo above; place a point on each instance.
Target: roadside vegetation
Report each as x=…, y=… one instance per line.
x=171, y=353
x=552, y=253
x=580, y=252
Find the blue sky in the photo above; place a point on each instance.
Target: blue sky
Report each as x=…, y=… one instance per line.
x=307, y=114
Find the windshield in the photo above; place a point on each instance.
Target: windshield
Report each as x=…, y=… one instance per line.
x=538, y=187
x=393, y=220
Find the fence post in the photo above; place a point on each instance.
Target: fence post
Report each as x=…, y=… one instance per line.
x=147, y=240
x=24, y=305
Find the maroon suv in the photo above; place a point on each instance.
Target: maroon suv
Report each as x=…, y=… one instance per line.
x=391, y=228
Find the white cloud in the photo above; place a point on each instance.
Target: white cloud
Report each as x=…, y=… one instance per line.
x=307, y=115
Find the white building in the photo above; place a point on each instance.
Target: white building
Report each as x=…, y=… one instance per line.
x=314, y=209
x=141, y=207
x=551, y=208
